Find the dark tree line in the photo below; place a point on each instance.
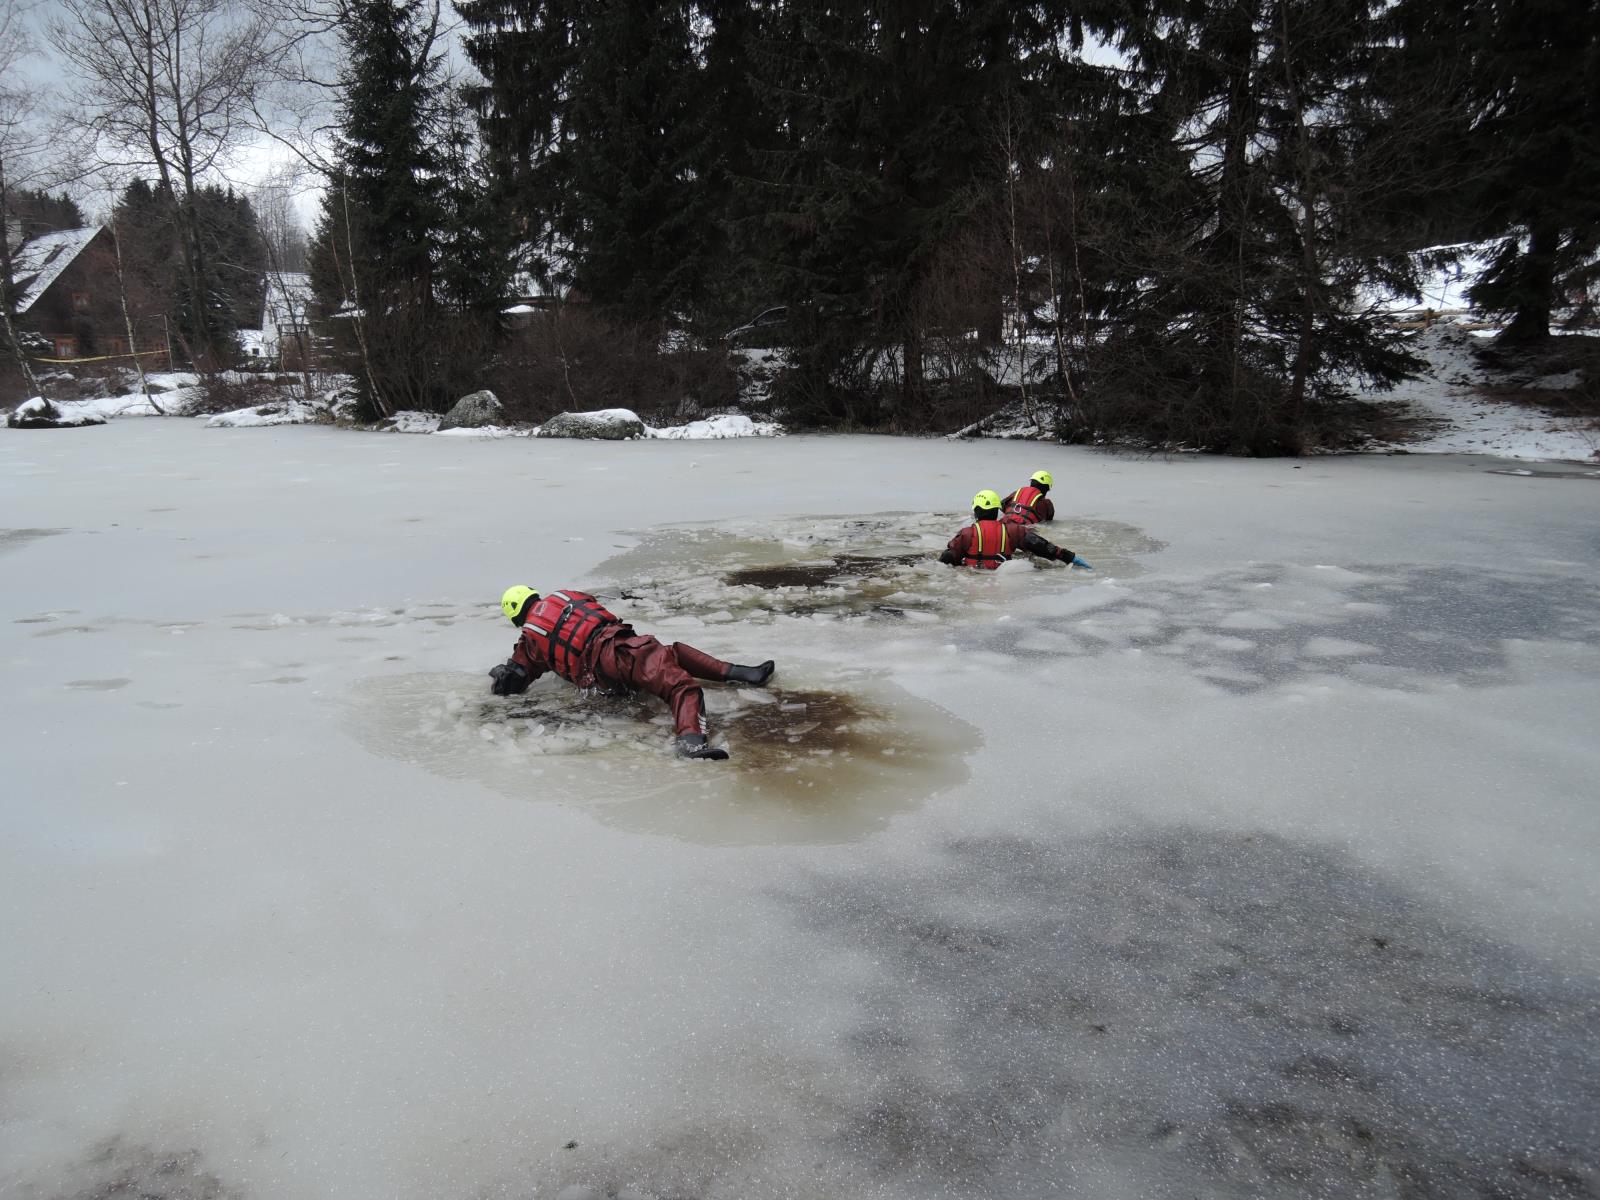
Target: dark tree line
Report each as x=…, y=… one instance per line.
x=204, y=308
x=1170, y=219
x=409, y=261
x=32, y=212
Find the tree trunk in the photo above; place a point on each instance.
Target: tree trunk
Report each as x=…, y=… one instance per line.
x=12, y=342
x=1239, y=122
x=1536, y=285
x=127, y=322
x=914, y=387
x=152, y=130
x=199, y=275
x=1311, y=268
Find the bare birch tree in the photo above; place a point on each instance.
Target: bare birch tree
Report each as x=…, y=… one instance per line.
x=21, y=144
x=167, y=85
x=127, y=318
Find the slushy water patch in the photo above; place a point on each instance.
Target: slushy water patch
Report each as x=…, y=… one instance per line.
x=810, y=764
x=864, y=569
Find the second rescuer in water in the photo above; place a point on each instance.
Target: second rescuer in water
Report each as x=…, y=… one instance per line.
x=991, y=540
x=574, y=635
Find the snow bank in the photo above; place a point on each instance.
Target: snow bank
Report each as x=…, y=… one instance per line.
x=106, y=408
x=730, y=425
x=1010, y=423
x=1450, y=398
x=411, y=421
x=38, y=413
x=171, y=381
x=278, y=412
x=485, y=431
x=173, y=393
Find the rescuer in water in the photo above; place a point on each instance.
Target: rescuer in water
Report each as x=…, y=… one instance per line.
x=1030, y=503
x=574, y=635
x=990, y=541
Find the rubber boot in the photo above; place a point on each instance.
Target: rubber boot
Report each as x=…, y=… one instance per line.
x=753, y=675
x=694, y=745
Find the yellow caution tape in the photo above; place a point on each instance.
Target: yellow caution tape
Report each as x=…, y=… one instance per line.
x=99, y=358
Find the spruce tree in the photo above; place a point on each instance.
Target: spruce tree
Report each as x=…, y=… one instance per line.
x=890, y=120
x=638, y=217
x=234, y=247
x=391, y=214
x=475, y=265
x=39, y=212
x=608, y=128
x=1259, y=277
x=1540, y=91
x=153, y=278
x=527, y=52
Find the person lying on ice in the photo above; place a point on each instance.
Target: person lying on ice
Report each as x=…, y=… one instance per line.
x=572, y=634
x=989, y=541
x=1030, y=503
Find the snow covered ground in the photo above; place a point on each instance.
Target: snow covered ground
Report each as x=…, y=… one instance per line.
x=1260, y=862
x=173, y=392
x=728, y=425
x=1451, y=398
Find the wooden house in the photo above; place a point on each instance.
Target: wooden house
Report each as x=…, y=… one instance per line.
x=65, y=289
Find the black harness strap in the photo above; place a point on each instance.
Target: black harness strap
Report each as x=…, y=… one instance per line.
x=583, y=610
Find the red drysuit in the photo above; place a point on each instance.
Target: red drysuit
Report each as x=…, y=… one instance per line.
x=572, y=634
x=1026, y=505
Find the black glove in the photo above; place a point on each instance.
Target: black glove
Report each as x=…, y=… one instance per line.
x=510, y=679
x=950, y=557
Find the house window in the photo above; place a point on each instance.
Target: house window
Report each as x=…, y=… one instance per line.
x=80, y=301
x=66, y=347
x=116, y=345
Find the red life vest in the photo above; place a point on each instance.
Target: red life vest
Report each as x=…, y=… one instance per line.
x=561, y=625
x=1020, y=510
x=990, y=546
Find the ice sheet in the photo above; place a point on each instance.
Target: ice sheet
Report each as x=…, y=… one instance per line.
x=1261, y=862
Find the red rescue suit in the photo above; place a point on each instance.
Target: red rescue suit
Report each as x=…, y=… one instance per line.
x=1027, y=505
x=984, y=544
x=574, y=635
x=987, y=544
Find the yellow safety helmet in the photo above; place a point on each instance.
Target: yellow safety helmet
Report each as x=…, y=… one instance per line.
x=514, y=598
x=986, y=499
x=1042, y=478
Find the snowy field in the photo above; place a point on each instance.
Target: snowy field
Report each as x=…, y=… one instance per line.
x=1264, y=861
x=1454, y=400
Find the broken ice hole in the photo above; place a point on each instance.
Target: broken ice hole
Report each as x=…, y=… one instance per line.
x=819, y=574
x=808, y=765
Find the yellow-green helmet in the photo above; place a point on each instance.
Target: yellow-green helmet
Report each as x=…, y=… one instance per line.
x=1042, y=478
x=988, y=498
x=514, y=598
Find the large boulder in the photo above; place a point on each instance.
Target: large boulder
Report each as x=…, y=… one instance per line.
x=39, y=413
x=474, y=412
x=608, y=424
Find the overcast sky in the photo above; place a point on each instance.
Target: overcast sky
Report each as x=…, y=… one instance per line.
x=257, y=161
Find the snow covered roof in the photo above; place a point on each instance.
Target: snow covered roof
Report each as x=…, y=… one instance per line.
x=40, y=262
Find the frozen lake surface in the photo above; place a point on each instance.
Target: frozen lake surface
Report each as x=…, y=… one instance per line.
x=1263, y=861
